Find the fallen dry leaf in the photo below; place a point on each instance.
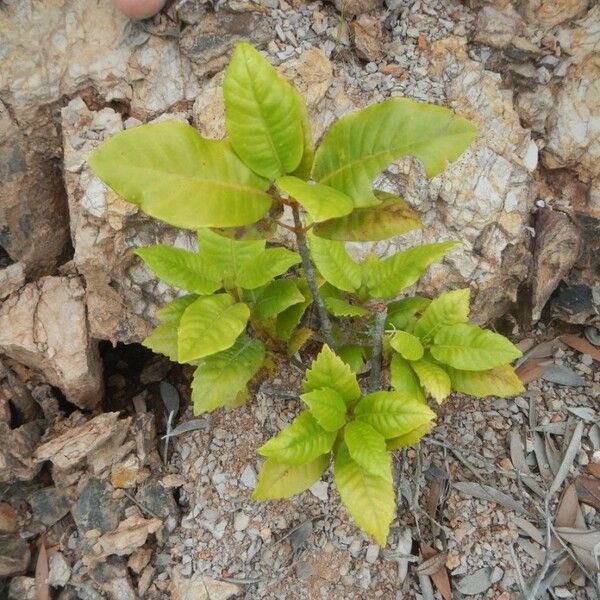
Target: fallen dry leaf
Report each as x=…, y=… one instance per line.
x=440, y=576
x=581, y=345
x=566, y=515
x=588, y=490
x=41, y=571
x=529, y=371
x=594, y=469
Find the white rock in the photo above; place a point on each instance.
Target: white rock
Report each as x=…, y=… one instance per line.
x=319, y=489
x=241, y=521
x=59, y=571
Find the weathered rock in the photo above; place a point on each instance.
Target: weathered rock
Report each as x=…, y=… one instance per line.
x=11, y=279
x=557, y=244
x=14, y=555
x=8, y=518
x=202, y=588
x=59, y=571
x=44, y=326
x=351, y=8
x=550, y=13
x=96, y=509
x=49, y=505
x=534, y=107
x=495, y=27
x=121, y=293
x=16, y=451
x=22, y=588
x=111, y=578
x=368, y=37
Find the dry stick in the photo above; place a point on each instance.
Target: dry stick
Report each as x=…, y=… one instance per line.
x=309, y=271
x=380, y=314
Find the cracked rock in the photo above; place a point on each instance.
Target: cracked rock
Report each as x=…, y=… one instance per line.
x=14, y=555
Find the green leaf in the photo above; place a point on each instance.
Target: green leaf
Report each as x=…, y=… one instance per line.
x=275, y=298
x=329, y=370
x=409, y=439
x=219, y=378
x=368, y=498
x=333, y=262
x=174, y=309
x=300, y=442
x=341, y=308
x=433, y=378
x=277, y=480
x=298, y=339
x=227, y=255
x=320, y=201
x=174, y=174
x=308, y=154
x=401, y=313
x=407, y=345
x=272, y=262
x=448, y=308
x=180, y=268
x=471, y=348
x=353, y=355
x=290, y=318
x=327, y=407
x=393, y=414
x=361, y=144
x=262, y=115
x=390, y=218
x=163, y=340
x=404, y=380
x=209, y=325
x=387, y=277
x=367, y=447
x=501, y=381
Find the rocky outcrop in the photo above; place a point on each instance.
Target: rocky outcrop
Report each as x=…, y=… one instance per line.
x=44, y=326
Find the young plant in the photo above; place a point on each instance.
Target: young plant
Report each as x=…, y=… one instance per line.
x=246, y=301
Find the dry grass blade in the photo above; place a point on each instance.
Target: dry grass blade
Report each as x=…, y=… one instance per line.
x=435, y=567
x=42, y=588
x=539, y=450
x=567, y=462
x=531, y=530
x=581, y=345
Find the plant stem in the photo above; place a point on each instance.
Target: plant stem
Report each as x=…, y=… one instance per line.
x=309, y=271
x=380, y=314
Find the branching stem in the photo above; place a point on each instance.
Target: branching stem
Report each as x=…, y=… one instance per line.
x=380, y=314
x=309, y=271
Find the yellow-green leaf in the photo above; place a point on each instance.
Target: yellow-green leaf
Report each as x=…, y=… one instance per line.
x=501, y=381
x=300, y=442
x=390, y=218
x=333, y=262
x=361, y=144
x=218, y=379
x=174, y=174
x=404, y=380
x=181, y=268
x=407, y=345
x=402, y=312
x=393, y=414
x=387, y=277
x=320, y=201
x=277, y=480
x=367, y=447
x=433, y=378
x=163, y=340
x=329, y=370
x=327, y=407
x=353, y=355
x=341, y=308
x=470, y=348
x=209, y=325
x=306, y=162
x=448, y=308
x=289, y=319
x=410, y=438
x=174, y=309
x=262, y=115
x=368, y=498
x=270, y=263
x=274, y=298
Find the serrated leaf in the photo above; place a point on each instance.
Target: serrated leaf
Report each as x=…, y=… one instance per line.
x=393, y=414
x=368, y=498
x=385, y=278
x=361, y=144
x=163, y=340
x=401, y=312
x=262, y=115
x=320, y=201
x=367, y=447
x=270, y=263
x=181, y=268
x=209, y=325
x=353, y=355
x=219, y=378
x=390, y=218
x=329, y=370
x=333, y=262
x=341, y=308
x=277, y=480
x=409, y=439
x=300, y=442
x=468, y=347
x=404, y=380
x=407, y=345
x=174, y=174
x=501, y=381
x=433, y=378
x=327, y=407
x=274, y=298
x=227, y=255
x=175, y=308
x=448, y=308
